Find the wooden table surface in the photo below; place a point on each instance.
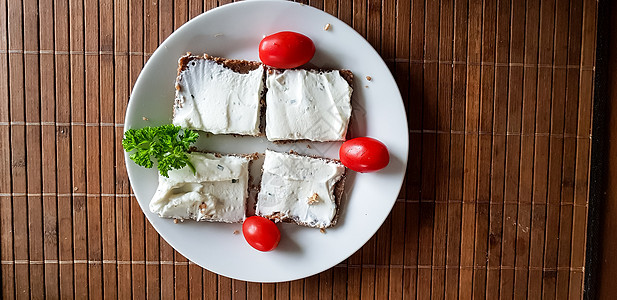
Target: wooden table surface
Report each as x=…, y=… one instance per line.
x=499, y=100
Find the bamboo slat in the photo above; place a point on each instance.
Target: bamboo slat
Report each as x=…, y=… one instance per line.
x=17, y=142
x=33, y=148
x=48, y=137
x=153, y=271
x=6, y=209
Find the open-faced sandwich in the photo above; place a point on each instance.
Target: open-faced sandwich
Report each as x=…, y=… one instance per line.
x=308, y=104
x=300, y=189
x=216, y=191
x=218, y=95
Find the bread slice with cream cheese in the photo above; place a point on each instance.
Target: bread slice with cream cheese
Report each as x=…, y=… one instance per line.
x=300, y=189
x=218, y=95
x=310, y=105
x=217, y=191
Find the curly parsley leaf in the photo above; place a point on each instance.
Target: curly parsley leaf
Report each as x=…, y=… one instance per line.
x=168, y=144
x=174, y=160
x=188, y=138
x=142, y=158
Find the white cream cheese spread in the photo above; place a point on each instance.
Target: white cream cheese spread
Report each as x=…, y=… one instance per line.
x=309, y=105
x=217, y=191
x=300, y=188
x=216, y=99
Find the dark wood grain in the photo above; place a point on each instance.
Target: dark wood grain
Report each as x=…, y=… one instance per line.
x=196, y=282
x=18, y=145
x=311, y=289
x=32, y=88
x=6, y=204
x=457, y=142
x=152, y=240
x=107, y=153
x=209, y=284
x=498, y=152
x=137, y=219
x=268, y=291
x=93, y=149
x=253, y=290
x=485, y=151
x=528, y=126
x=78, y=145
x=122, y=200
x=48, y=137
x=296, y=289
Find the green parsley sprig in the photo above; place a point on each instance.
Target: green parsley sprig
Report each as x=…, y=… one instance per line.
x=168, y=144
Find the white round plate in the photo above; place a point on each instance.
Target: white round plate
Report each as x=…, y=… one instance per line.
x=234, y=31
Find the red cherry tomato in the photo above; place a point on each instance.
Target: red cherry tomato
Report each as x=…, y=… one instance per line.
x=286, y=50
x=261, y=233
x=364, y=154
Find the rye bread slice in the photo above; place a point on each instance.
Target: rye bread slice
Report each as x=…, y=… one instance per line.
x=237, y=65
x=339, y=188
x=251, y=157
x=347, y=76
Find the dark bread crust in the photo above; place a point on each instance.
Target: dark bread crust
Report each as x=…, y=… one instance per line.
x=348, y=76
x=236, y=65
x=339, y=188
x=250, y=156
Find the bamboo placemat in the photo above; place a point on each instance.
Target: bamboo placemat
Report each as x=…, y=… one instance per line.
x=498, y=95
